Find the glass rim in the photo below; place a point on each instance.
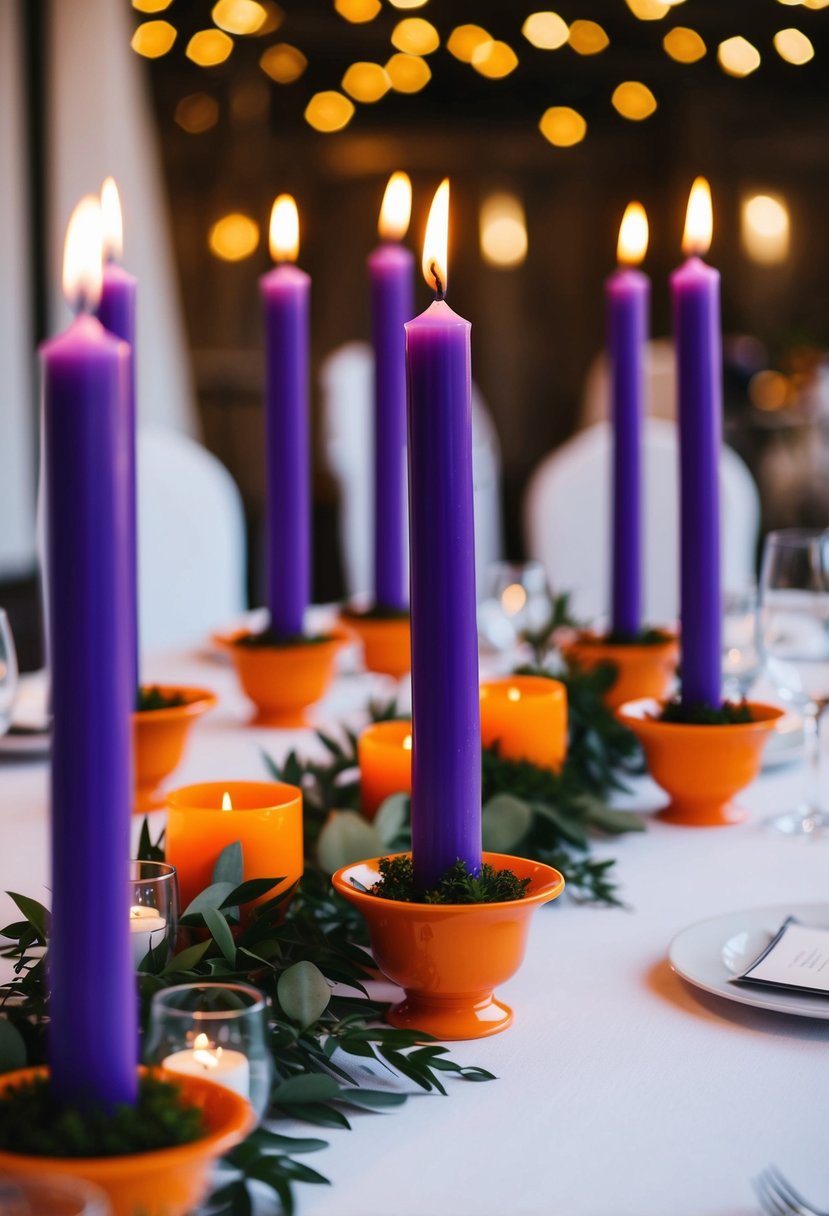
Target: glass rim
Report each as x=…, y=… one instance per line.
x=258, y=1005
x=164, y=871
x=795, y=536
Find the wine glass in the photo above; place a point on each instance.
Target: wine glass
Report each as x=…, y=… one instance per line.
x=516, y=601
x=794, y=638
x=742, y=661
x=8, y=672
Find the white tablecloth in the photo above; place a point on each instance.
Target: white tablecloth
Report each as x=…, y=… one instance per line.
x=621, y=1091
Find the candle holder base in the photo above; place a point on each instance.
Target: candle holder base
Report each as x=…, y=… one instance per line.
x=386, y=642
x=163, y=1182
x=643, y=669
x=701, y=767
x=449, y=957
x=159, y=738
x=284, y=681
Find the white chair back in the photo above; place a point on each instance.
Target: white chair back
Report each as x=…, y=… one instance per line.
x=567, y=521
x=191, y=541
x=660, y=385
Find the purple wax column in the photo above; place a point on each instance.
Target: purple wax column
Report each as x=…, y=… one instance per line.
x=286, y=295
x=446, y=716
x=627, y=295
x=391, y=273
x=696, y=301
x=116, y=312
x=93, y=1024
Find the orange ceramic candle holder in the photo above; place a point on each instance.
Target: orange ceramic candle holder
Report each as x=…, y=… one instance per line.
x=164, y=1182
x=284, y=681
x=449, y=957
x=387, y=644
x=385, y=763
x=527, y=717
x=641, y=670
x=701, y=767
x=159, y=736
x=265, y=817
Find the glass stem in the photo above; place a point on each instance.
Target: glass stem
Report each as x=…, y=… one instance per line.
x=811, y=729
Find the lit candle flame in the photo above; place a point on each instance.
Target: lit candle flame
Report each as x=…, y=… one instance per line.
x=407, y=743
x=436, y=241
x=113, y=221
x=202, y=1053
x=284, y=230
x=227, y=805
x=633, y=236
x=699, y=219
x=513, y=694
x=83, y=256
x=396, y=208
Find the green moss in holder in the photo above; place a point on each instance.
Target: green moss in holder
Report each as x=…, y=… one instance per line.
x=377, y=612
x=150, y=697
x=33, y=1124
x=730, y=713
x=457, y=886
x=269, y=639
x=616, y=637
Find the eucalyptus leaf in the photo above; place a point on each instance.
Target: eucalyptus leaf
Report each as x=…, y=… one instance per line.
x=345, y=838
x=312, y=1087
x=214, y=896
x=229, y=865
x=392, y=817
x=35, y=913
x=303, y=993
x=505, y=821
x=222, y=936
x=187, y=959
x=12, y=1047
x=611, y=820
x=252, y=889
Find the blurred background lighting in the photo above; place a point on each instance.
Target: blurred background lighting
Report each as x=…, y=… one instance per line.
x=465, y=40
x=764, y=227
x=283, y=63
x=366, y=82
x=208, y=48
x=408, y=73
x=239, y=16
x=153, y=39
x=684, y=45
x=793, y=46
x=407, y=3
x=234, y=237
x=495, y=60
x=649, y=10
x=357, y=11
x=151, y=6
x=588, y=37
x=547, y=31
x=197, y=112
x=503, y=231
x=329, y=111
x=562, y=126
x=415, y=36
x=634, y=100
x=738, y=57
x=768, y=390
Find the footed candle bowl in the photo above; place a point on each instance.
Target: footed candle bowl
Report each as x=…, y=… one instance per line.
x=642, y=670
x=159, y=738
x=284, y=681
x=449, y=957
x=387, y=643
x=701, y=767
x=163, y=1182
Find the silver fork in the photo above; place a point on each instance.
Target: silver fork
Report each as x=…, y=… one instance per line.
x=778, y=1197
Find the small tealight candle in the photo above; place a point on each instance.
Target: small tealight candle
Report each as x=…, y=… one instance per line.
x=384, y=753
x=227, y=1068
x=527, y=717
x=146, y=924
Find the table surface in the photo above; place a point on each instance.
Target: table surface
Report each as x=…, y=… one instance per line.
x=621, y=1090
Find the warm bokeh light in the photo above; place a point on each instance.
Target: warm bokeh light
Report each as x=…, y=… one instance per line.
x=249, y=101
x=764, y=228
x=495, y=60
x=768, y=390
x=208, y=48
x=407, y=743
x=357, y=11
x=407, y=3
x=284, y=229
x=793, y=46
x=396, y=208
x=112, y=221
x=562, y=126
x=274, y=17
x=464, y=41
x=513, y=599
x=239, y=16
x=816, y=4
x=233, y=237
x=366, y=82
x=227, y=804
x=547, y=31
x=684, y=45
x=503, y=236
x=415, y=36
x=738, y=57
x=283, y=63
x=513, y=694
x=587, y=37
x=633, y=236
x=329, y=111
x=699, y=219
x=153, y=39
x=633, y=100
x=408, y=73
x=83, y=256
x=649, y=10
x=436, y=241
x=151, y=6
x=197, y=112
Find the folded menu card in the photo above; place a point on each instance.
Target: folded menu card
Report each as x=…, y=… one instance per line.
x=797, y=958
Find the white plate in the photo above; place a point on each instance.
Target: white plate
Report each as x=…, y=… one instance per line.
x=699, y=954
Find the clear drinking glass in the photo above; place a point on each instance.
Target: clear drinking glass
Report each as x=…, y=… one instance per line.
x=55, y=1195
x=8, y=672
x=516, y=600
x=742, y=661
x=794, y=639
x=153, y=909
x=215, y=1031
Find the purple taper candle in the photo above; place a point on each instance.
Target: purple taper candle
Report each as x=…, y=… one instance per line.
x=627, y=295
x=93, y=1033
x=286, y=294
x=116, y=312
x=391, y=275
x=446, y=716
x=695, y=288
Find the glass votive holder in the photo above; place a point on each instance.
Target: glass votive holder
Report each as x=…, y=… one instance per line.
x=52, y=1195
x=153, y=910
x=516, y=600
x=215, y=1031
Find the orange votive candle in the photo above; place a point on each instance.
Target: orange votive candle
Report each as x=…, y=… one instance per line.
x=264, y=816
x=527, y=717
x=384, y=753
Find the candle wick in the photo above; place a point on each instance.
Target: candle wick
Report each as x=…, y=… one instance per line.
x=440, y=291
